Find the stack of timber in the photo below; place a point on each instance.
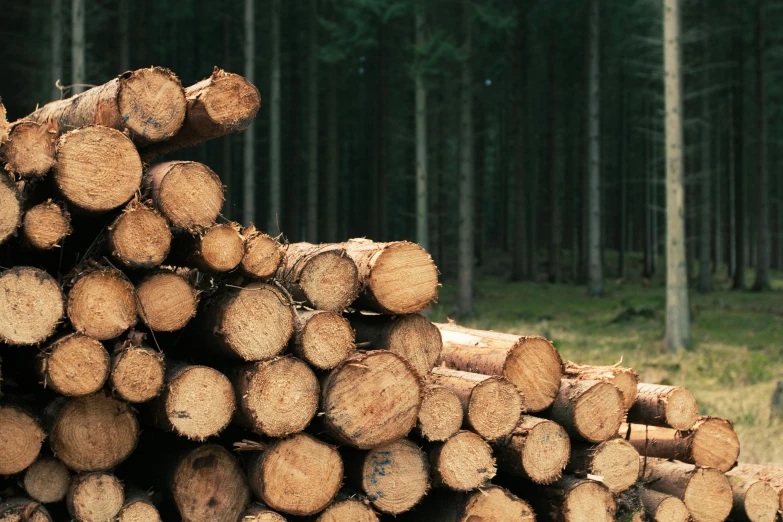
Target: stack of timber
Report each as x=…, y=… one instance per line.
x=161, y=363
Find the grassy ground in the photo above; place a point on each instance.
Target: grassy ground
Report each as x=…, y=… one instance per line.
x=732, y=368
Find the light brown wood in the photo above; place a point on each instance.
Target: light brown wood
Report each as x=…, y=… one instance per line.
x=537, y=449
x=572, y=499
x=75, y=365
x=3, y=124
x=589, y=410
x=323, y=339
x=98, y=168
x=102, y=304
x=462, y=463
x=395, y=476
x=218, y=249
x=772, y=475
x=491, y=405
x=370, y=399
x=413, y=337
x=208, y=484
x=299, y=475
x=616, y=461
x=667, y=406
x=753, y=500
x=497, y=505
x=45, y=225
x=263, y=254
x=138, y=508
x=31, y=306
x=10, y=207
x=137, y=372
x=348, y=509
x=95, y=497
x=624, y=379
x=531, y=363
x=661, y=507
x=166, y=300
x=22, y=437
x=29, y=151
x=440, y=414
x=20, y=509
x=140, y=236
x=46, y=480
x=260, y=513
x=712, y=443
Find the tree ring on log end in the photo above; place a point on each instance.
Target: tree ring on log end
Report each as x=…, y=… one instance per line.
x=10, y=208
x=263, y=254
x=589, y=502
x=95, y=497
x=325, y=340
x=152, y=103
x=45, y=225
x=199, y=402
x=496, y=504
x=102, y=304
x=31, y=305
x=76, y=365
x=221, y=248
x=167, y=302
x=715, y=444
x=137, y=374
x=708, y=495
x=464, y=462
x=189, y=194
x=140, y=237
x=348, y=509
x=329, y=280
x=617, y=461
x=761, y=502
x=681, y=409
x=259, y=513
x=535, y=367
x=598, y=412
x=546, y=452
x=47, y=480
x=671, y=509
x=494, y=408
x=21, y=440
x=404, y=279
x=395, y=476
x=440, y=414
x=139, y=511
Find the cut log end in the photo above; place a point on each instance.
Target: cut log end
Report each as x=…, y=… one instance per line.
x=151, y=103
x=715, y=444
x=260, y=513
x=395, y=476
x=166, y=301
x=3, y=124
x=588, y=501
x=708, y=496
x=140, y=237
x=329, y=281
x=668, y=406
x=230, y=101
x=95, y=497
x=189, y=194
x=138, y=511
x=102, y=304
x=663, y=508
x=535, y=367
x=98, y=168
x=31, y=306
x=625, y=379
x=348, y=509
x=463, y=462
x=45, y=225
x=75, y=365
x=537, y=449
x=221, y=248
x=497, y=504
x=590, y=410
x=47, y=480
x=21, y=439
x=494, y=408
x=323, y=339
x=19, y=509
x=198, y=402
x=615, y=460
x=137, y=374
x=263, y=254
x=10, y=208
x=30, y=150
x=440, y=414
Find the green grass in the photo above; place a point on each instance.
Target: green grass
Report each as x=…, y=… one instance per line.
x=732, y=366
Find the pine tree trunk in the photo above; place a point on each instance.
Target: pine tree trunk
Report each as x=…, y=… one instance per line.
x=312, y=128
x=124, y=36
x=332, y=158
x=555, y=216
x=57, y=49
x=718, y=256
x=249, y=168
x=595, y=285
x=705, y=215
x=422, y=211
x=77, y=46
x=738, y=165
x=762, y=185
x=275, y=174
x=466, y=182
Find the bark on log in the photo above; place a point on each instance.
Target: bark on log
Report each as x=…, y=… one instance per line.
x=537, y=449
x=140, y=237
x=705, y=491
x=348, y=509
x=46, y=480
x=588, y=410
x=166, y=301
x=189, y=194
x=370, y=399
x=462, y=463
x=252, y=323
x=208, y=484
x=753, y=500
x=31, y=306
x=260, y=513
x=23, y=510
x=147, y=103
x=299, y=475
x=412, y=337
x=667, y=406
x=531, y=363
x=770, y=474
x=324, y=278
x=496, y=504
x=29, y=151
x=663, y=508
x=138, y=508
x=277, y=397
x=323, y=339
x=137, y=372
x=218, y=249
x=263, y=254
x=102, y=304
x=440, y=414
x=74, y=365
x=21, y=441
x=98, y=168
x=92, y=433
x=624, y=379
x=10, y=207
x=615, y=461
x=491, y=405
x=95, y=497
x=573, y=499
x=223, y=104
x=45, y=225
x=197, y=402
x=712, y=443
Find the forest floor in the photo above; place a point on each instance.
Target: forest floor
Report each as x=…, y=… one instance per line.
x=733, y=365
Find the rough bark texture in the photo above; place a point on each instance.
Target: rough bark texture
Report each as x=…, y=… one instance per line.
x=537, y=449
x=102, y=304
x=140, y=237
x=663, y=508
x=137, y=372
x=138, y=508
x=45, y=225
x=275, y=141
x=588, y=410
x=21, y=441
x=667, y=406
x=323, y=339
x=46, y=480
x=770, y=474
x=497, y=504
x=465, y=241
x=147, y=103
x=31, y=306
x=462, y=463
x=10, y=207
x=166, y=301
x=616, y=461
x=532, y=363
x=29, y=150
x=23, y=510
x=624, y=379
x=422, y=200
x=572, y=499
x=753, y=500
x=440, y=414
x=370, y=399
x=75, y=365
x=348, y=509
x=263, y=254
x=95, y=497
x=595, y=284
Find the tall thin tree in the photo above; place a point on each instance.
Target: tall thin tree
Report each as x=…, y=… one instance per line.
x=705, y=215
x=274, y=122
x=57, y=48
x=124, y=15
x=422, y=214
x=595, y=283
x=249, y=167
x=312, y=130
x=332, y=157
x=77, y=46
x=763, y=249
x=738, y=93
x=466, y=174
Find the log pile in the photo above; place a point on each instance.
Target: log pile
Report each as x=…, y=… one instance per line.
x=161, y=363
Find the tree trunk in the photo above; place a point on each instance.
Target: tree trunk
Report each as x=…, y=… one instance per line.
x=323, y=339
x=762, y=185
x=622, y=203
x=615, y=460
x=589, y=410
x=440, y=414
x=275, y=174
x=332, y=159
x=462, y=463
x=95, y=496
x=22, y=442
x=595, y=285
x=519, y=264
x=738, y=164
x=553, y=172
x=74, y=365
x=537, y=450
x=466, y=181
x=77, y=46
x=46, y=225
x=124, y=36
x=249, y=157
x=667, y=406
x=422, y=210
x=57, y=50
x=312, y=128
x=46, y=480
x=770, y=474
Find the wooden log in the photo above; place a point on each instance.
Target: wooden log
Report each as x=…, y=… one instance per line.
x=322, y=277
x=140, y=236
x=223, y=104
x=138, y=507
x=753, y=500
x=218, y=249
x=92, y=433
x=660, y=507
x=46, y=225
x=10, y=207
x=348, y=509
x=149, y=104
x=667, y=406
x=263, y=254
x=95, y=497
x=22, y=437
x=74, y=365
x=462, y=463
x=712, y=443
x=19, y=509
x=277, y=397
x=31, y=306
x=260, y=513
x=491, y=405
x=370, y=399
x=615, y=461
x=531, y=363
x=137, y=372
x=323, y=339
x=166, y=300
x=629, y=505
x=102, y=304
x=252, y=323
x=412, y=337
x=197, y=402
x=3, y=124
x=772, y=475
x=624, y=379
x=589, y=410
x=299, y=475
x=189, y=194
x=440, y=414
x=537, y=449
x=496, y=504
x=29, y=151
x=98, y=168
x=46, y=480
x=705, y=491
x=573, y=499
